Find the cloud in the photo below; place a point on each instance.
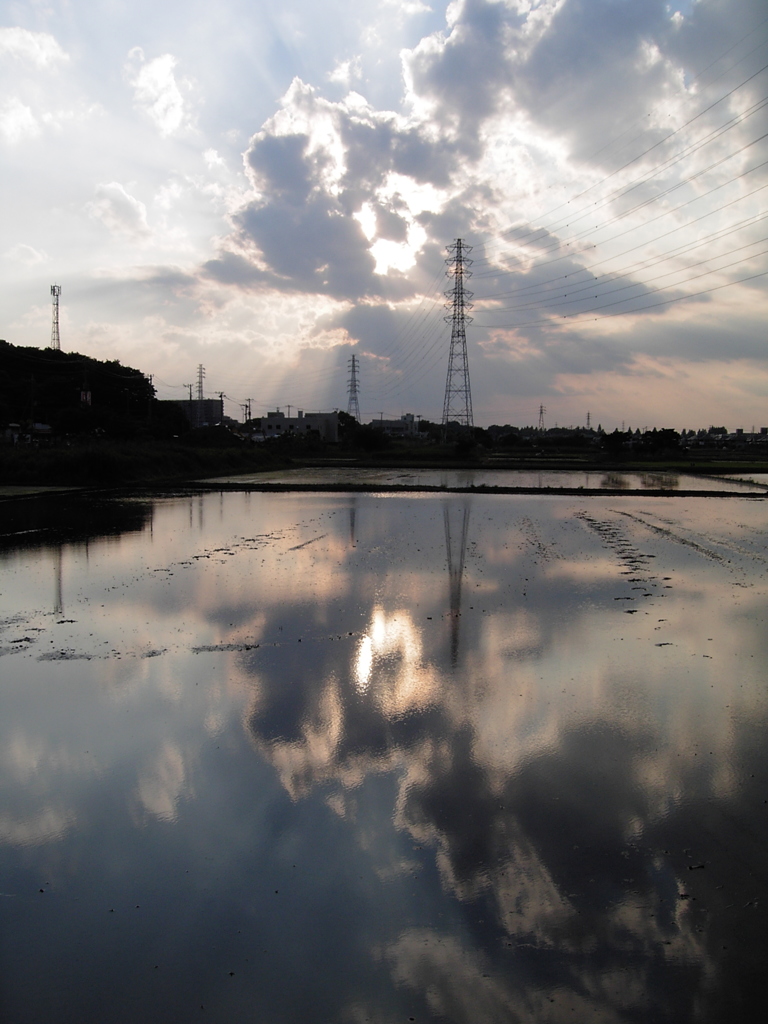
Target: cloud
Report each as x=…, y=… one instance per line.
x=26, y=254
x=156, y=91
x=374, y=145
x=346, y=72
x=121, y=212
x=37, y=48
x=17, y=121
x=339, y=196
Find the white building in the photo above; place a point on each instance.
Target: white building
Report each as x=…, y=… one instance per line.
x=277, y=424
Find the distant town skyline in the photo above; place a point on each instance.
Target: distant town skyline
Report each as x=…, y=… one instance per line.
x=268, y=191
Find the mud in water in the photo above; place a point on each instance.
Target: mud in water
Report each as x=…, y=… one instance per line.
x=464, y=758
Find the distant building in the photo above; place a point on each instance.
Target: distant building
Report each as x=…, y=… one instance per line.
x=206, y=412
x=406, y=426
x=277, y=424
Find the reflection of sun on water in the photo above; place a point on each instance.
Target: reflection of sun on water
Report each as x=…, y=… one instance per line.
x=364, y=664
x=390, y=659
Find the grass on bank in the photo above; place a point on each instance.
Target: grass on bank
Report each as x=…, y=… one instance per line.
x=116, y=463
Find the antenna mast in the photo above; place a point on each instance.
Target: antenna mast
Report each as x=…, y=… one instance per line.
x=353, y=405
x=55, y=339
x=457, y=406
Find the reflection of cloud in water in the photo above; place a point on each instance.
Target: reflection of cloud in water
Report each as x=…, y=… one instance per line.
x=335, y=735
x=533, y=779
x=454, y=978
x=45, y=826
x=39, y=766
x=311, y=757
x=163, y=783
x=32, y=757
x=462, y=985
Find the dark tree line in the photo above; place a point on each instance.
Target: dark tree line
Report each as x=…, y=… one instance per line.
x=75, y=394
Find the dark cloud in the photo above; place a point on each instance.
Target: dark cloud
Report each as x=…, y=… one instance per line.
x=468, y=76
x=315, y=247
x=282, y=167
x=302, y=227
x=585, y=78
x=389, y=223
x=375, y=327
x=233, y=268
x=376, y=146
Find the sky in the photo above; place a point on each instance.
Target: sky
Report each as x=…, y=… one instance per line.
x=265, y=190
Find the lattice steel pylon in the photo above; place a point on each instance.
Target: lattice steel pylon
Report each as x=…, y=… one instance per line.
x=457, y=406
x=353, y=388
x=55, y=339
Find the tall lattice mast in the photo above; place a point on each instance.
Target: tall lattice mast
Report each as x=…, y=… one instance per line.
x=353, y=405
x=55, y=339
x=457, y=407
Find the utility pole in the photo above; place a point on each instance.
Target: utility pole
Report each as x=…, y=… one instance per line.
x=189, y=389
x=457, y=406
x=353, y=405
x=55, y=339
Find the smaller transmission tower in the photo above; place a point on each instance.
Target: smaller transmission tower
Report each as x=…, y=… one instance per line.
x=457, y=406
x=200, y=417
x=353, y=388
x=55, y=339
x=542, y=410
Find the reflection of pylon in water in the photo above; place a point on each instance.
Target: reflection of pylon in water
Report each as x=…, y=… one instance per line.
x=455, y=569
x=58, y=600
x=352, y=522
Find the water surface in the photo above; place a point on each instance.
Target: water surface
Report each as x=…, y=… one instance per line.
x=588, y=480
x=465, y=758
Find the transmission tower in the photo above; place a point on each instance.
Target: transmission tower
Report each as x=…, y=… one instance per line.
x=200, y=414
x=55, y=339
x=353, y=387
x=542, y=410
x=457, y=406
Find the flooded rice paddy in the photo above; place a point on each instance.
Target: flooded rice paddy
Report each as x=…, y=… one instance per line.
x=375, y=757
x=519, y=479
